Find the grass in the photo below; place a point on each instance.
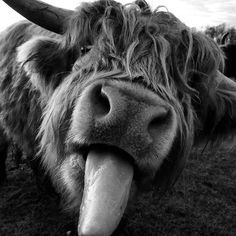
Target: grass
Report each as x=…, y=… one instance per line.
x=203, y=202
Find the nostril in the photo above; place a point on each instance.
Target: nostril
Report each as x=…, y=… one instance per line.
x=159, y=121
x=101, y=103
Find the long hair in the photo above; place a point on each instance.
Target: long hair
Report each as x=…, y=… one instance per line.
x=105, y=39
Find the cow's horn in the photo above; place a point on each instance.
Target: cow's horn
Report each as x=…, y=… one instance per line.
x=224, y=37
x=47, y=16
x=225, y=83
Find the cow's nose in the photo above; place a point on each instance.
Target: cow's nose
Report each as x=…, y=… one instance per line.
x=120, y=114
x=114, y=105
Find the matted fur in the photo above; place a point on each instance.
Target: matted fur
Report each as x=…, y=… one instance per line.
x=44, y=75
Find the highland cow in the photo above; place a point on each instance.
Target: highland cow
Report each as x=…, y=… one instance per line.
x=109, y=99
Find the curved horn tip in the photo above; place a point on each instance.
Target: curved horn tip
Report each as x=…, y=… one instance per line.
x=47, y=16
x=224, y=37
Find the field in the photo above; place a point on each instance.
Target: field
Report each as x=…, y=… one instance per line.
x=203, y=202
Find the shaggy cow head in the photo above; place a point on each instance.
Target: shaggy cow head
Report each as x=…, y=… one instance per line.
x=125, y=88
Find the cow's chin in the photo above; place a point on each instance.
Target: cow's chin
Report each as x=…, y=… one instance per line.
x=107, y=174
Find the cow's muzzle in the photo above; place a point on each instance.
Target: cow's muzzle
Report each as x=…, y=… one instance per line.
x=126, y=130
x=120, y=114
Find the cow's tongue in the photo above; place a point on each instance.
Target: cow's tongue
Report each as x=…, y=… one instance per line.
x=108, y=180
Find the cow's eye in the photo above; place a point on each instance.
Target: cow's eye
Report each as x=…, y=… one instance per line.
x=85, y=49
x=140, y=80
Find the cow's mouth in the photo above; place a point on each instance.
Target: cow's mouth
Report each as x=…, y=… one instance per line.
x=107, y=182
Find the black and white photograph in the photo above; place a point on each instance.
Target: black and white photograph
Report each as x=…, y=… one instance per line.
x=117, y=118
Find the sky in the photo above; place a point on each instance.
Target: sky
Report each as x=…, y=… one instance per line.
x=194, y=13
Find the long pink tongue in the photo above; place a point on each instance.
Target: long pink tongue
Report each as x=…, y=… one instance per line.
x=108, y=180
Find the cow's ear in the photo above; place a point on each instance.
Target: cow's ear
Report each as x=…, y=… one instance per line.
x=44, y=61
x=220, y=108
